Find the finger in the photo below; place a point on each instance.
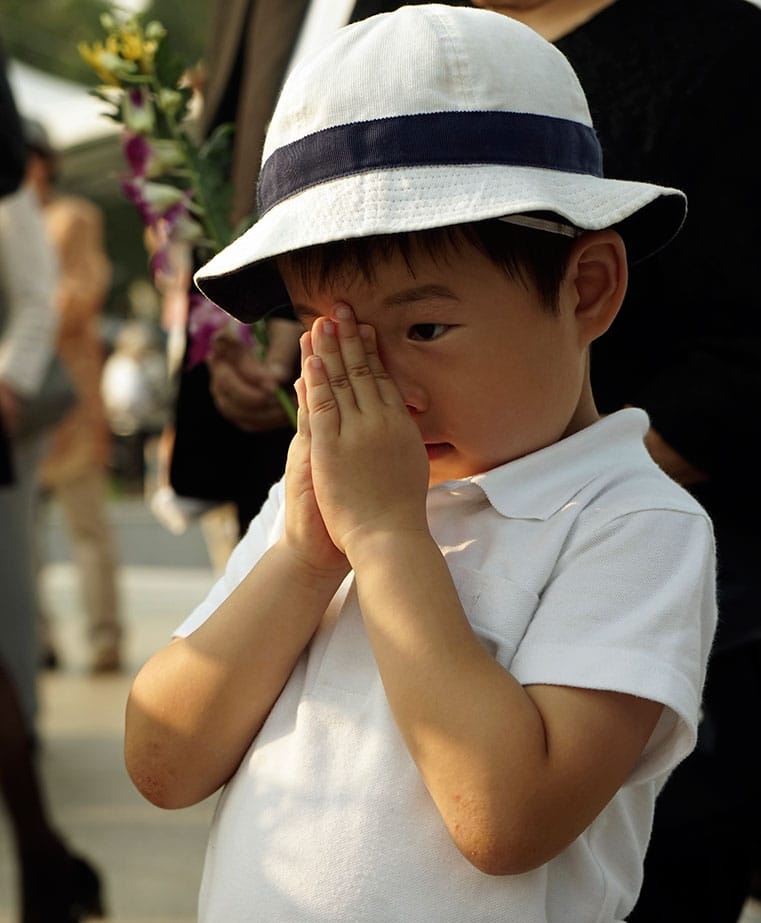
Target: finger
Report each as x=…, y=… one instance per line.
x=305, y=346
x=302, y=410
x=346, y=359
x=322, y=406
x=387, y=389
x=237, y=389
x=353, y=346
x=324, y=341
x=283, y=346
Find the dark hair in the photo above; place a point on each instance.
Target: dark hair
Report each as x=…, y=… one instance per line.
x=531, y=256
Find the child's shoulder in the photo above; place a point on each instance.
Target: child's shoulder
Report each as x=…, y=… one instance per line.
x=630, y=482
x=602, y=470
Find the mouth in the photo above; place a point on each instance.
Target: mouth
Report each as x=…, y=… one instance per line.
x=437, y=450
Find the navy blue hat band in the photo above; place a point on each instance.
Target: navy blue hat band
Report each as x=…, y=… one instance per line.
x=521, y=139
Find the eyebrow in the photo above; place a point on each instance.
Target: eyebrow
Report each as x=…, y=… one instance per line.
x=406, y=296
x=419, y=293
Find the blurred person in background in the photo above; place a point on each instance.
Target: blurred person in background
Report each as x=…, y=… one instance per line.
x=136, y=394
x=74, y=470
x=54, y=884
x=671, y=86
x=28, y=272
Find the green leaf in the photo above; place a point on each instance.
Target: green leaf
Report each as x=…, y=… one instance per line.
x=169, y=65
x=212, y=166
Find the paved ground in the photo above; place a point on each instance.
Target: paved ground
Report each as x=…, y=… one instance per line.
x=151, y=859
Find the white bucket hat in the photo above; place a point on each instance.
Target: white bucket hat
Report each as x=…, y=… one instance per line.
x=426, y=117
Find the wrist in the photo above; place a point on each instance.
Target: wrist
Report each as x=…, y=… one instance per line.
x=309, y=573
x=366, y=547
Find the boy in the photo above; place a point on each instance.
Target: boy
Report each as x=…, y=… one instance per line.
x=458, y=652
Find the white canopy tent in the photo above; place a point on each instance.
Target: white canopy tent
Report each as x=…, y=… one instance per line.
x=67, y=111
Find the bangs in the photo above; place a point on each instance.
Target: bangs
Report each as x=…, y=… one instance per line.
x=532, y=257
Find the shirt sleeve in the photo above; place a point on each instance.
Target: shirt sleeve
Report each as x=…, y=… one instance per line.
x=631, y=608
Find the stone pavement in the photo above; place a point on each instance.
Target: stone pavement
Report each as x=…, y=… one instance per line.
x=150, y=859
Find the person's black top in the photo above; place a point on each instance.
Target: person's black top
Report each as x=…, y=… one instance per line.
x=673, y=89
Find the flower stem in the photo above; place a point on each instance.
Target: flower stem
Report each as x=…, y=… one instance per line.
x=287, y=404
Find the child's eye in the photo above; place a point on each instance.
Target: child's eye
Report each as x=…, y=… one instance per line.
x=427, y=331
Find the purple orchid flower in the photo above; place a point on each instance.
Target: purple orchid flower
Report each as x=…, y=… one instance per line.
x=204, y=320
x=137, y=153
x=137, y=111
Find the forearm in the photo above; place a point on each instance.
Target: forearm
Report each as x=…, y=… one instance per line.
x=196, y=706
x=517, y=773
x=472, y=729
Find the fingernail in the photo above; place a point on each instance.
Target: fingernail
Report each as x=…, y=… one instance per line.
x=328, y=327
x=342, y=312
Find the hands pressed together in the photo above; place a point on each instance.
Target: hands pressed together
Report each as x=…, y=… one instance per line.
x=357, y=466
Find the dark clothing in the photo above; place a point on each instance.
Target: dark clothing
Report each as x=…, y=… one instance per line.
x=214, y=460
x=672, y=87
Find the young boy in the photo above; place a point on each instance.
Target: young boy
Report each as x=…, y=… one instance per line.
x=460, y=649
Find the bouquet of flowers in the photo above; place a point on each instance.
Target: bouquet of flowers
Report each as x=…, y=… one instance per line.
x=179, y=186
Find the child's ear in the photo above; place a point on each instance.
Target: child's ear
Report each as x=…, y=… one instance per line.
x=596, y=280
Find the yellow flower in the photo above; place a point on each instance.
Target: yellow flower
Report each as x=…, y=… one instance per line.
x=102, y=61
x=149, y=53
x=131, y=46
x=113, y=45
x=130, y=43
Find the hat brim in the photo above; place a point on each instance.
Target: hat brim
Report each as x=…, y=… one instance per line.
x=242, y=278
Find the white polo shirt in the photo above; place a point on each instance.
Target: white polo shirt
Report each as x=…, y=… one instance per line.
x=581, y=564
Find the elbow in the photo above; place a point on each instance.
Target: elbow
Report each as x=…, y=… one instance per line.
x=155, y=781
x=501, y=856
x=497, y=845
x=162, y=771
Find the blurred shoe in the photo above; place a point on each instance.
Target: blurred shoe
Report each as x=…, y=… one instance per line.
x=106, y=659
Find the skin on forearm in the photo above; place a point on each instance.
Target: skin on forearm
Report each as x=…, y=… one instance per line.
x=196, y=705
x=516, y=773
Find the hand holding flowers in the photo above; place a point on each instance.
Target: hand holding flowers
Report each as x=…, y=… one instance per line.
x=179, y=186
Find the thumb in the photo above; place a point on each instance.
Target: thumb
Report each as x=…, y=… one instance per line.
x=283, y=348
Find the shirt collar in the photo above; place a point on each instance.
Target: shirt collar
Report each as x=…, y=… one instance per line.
x=538, y=485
